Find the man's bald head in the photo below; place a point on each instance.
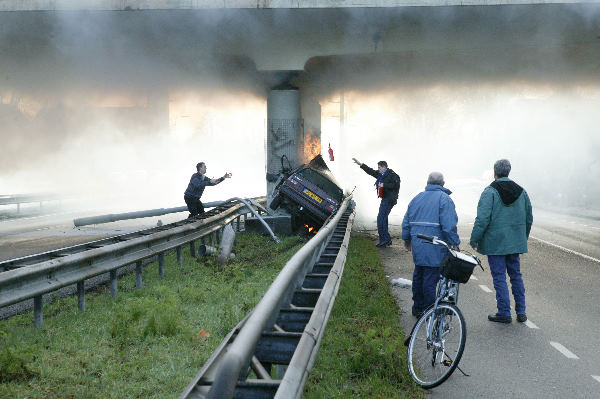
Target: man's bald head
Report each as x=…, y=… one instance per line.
x=436, y=178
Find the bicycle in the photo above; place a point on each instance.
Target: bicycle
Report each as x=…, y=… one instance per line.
x=437, y=340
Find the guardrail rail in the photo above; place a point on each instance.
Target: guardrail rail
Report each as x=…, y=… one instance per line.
x=282, y=334
x=36, y=275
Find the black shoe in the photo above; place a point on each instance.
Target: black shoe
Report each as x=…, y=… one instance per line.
x=522, y=318
x=499, y=318
x=384, y=244
x=417, y=314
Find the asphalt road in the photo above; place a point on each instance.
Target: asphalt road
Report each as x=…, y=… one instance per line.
x=32, y=235
x=555, y=354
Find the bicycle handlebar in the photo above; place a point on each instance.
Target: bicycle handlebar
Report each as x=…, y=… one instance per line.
x=436, y=241
x=424, y=237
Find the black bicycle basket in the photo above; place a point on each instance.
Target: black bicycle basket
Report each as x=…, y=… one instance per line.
x=457, y=269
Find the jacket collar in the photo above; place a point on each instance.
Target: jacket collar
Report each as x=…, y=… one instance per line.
x=437, y=187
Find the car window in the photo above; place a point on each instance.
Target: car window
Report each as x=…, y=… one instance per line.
x=322, y=182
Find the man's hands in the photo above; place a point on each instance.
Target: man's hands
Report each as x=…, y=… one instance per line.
x=408, y=245
x=356, y=161
x=217, y=181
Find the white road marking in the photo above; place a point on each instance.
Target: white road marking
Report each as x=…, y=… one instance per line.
x=563, y=350
x=485, y=288
x=567, y=249
x=596, y=377
x=529, y=324
x=473, y=277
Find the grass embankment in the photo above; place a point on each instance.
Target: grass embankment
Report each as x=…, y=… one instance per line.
x=145, y=343
x=362, y=353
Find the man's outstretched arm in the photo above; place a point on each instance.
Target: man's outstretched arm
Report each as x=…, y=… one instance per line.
x=368, y=170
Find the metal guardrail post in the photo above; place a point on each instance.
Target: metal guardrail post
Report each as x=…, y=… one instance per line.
x=179, y=256
x=38, y=315
x=81, y=295
x=192, y=249
x=161, y=264
x=138, y=273
x=113, y=283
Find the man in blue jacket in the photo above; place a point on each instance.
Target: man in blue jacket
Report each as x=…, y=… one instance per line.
x=501, y=230
x=195, y=188
x=387, y=186
x=430, y=213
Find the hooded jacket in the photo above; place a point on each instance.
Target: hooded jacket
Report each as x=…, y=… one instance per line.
x=504, y=219
x=431, y=213
x=391, y=182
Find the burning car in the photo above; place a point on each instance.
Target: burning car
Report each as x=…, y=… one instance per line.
x=309, y=193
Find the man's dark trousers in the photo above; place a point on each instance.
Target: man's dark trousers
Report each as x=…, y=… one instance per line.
x=194, y=205
x=425, y=279
x=382, y=220
x=499, y=266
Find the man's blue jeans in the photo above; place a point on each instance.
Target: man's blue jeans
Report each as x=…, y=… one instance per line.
x=425, y=279
x=499, y=266
x=382, y=220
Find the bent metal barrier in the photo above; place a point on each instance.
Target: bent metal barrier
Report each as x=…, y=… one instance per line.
x=285, y=328
x=64, y=269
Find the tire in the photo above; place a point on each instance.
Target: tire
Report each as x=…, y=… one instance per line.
x=427, y=365
x=276, y=202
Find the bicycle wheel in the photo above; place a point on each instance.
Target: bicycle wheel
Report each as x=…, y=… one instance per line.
x=432, y=359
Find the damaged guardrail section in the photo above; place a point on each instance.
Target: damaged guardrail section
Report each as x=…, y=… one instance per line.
x=285, y=328
x=34, y=280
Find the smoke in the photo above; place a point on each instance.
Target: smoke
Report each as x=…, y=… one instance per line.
x=113, y=103
x=548, y=132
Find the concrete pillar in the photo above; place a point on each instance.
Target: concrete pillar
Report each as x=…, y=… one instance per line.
x=284, y=133
x=311, y=115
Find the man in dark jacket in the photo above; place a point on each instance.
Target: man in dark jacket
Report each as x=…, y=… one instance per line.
x=431, y=213
x=501, y=230
x=195, y=188
x=388, y=186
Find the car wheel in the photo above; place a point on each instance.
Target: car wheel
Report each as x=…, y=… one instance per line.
x=276, y=202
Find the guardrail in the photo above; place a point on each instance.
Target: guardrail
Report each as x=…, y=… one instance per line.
x=19, y=199
x=35, y=280
x=285, y=328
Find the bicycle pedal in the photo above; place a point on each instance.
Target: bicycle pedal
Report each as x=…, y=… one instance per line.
x=447, y=363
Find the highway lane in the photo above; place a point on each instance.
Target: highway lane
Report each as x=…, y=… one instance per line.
x=528, y=360
x=27, y=236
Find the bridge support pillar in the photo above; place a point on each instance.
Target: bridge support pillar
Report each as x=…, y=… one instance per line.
x=284, y=134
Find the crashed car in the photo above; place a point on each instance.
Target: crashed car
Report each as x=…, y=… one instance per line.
x=309, y=193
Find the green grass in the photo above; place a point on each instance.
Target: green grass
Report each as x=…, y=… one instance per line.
x=148, y=343
x=143, y=343
x=362, y=353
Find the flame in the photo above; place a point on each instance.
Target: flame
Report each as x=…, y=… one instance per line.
x=312, y=145
x=310, y=229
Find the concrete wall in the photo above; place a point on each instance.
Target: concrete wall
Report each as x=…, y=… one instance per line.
x=48, y=5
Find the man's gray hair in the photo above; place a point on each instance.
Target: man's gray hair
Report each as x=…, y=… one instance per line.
x=502, y=168
x=436, y=178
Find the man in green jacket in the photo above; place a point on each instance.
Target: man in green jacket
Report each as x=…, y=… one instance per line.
x=501, y=230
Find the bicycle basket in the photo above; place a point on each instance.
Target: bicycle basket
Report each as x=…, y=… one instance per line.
x=458, y=268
